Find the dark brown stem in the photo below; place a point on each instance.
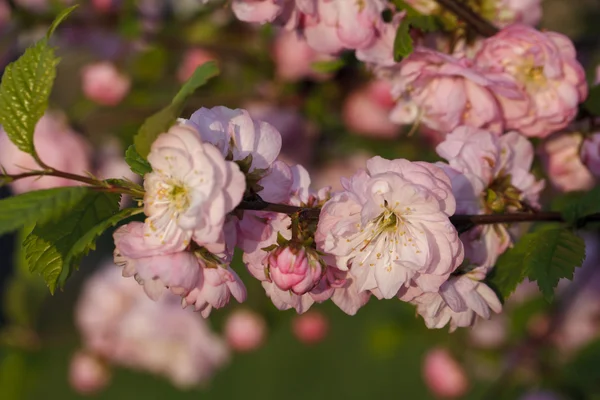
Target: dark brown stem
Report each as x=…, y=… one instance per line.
x=474, y=20
x=462, y=221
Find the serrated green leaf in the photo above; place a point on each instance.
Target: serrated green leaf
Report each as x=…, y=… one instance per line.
x=49, y=246
x=575, y=206
x=137, y=164
x=426, y=23
x=165, y=118
x=24, y=92
x=509, y=270
x=40, y=206
x=403, y=43
x=59, y=19
x=87, y=242
x=329, y=66
x=554, y=254
x=592, y=103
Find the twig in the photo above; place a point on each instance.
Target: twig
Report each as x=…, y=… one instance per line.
x=471, y=18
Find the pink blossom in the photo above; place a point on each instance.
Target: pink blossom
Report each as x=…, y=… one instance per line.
x=104, y=84
x=156, y=267
x=190, y=190
x=489, y=174
x=260, y=11
x=590, y=154
x=332, y=173
x=390, y=226
x=88, y=374
x=294, y=269
x=489, y=334
x=120, y=324
x=245, y=330
x=442, y=92
x=366, y=111
x=284, y=299
x=528, y=12
x=57, y=145
x=460, y=300
x=192, y=59
x=310, y=328
x=444, y=376
x=214, y=290
x=544, y=66
x=560, y=156
x=294, y=57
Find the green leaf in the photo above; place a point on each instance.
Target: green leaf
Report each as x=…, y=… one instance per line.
x=328, y=66
x=544, y=256
x=165, y=118
x=426, y=23
x=38, y=207
x=509, y=270
x=59, y=19
x=574, y=207
x=87, y=242
x=50, y=248
x=137, y=164
x=554, y=254
x=403, y=44
x=592, y=103
x=24, y=92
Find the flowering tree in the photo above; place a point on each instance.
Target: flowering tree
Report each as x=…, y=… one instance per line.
x=454, y=237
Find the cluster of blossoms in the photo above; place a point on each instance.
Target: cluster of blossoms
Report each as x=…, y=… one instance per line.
x=386, y=232
x=120, y=325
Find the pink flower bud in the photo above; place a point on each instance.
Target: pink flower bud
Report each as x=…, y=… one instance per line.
x=443, y=375
x=561, y=160
x=104, y=84
x=294, y=269
x=590, y=154
x=310, y=328
x=87, y=373
x=192, y=59
x=294, y=57
x=367, y=110
x=245, y=330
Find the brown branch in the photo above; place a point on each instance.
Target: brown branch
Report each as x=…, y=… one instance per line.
x=471, y=18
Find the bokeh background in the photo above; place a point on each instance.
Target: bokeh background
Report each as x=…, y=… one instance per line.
x=320, y=106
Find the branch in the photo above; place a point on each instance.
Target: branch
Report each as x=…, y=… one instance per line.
x=471, y=18
x=462, y=222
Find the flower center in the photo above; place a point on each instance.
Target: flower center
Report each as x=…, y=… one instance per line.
x=179, y=197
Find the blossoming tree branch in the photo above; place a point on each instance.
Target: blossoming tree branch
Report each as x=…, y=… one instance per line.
x=454, y=237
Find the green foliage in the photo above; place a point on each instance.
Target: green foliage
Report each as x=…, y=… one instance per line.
x=137, y=164
x=510, y=269
x=544, y=256
x=403, y=43
x=162, y=120
x=53, y=250
x=39, y=207
x=327, y=67
x=576, y=206
x=554, y=254
x=25, y=89
x=582, y=371
x=592, y=104
x=59, y=19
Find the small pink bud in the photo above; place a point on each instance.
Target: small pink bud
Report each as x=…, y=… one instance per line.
x=104, y=84
x=367, y=110
x=87, y=373
x=294, y=269
x=443, y=374
x=192, y=60
x=310, y=328
x=245, y=330
x=590, y=154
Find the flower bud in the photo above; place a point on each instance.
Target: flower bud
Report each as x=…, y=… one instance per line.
x=443, y=375
x=104, y=84
x=590, y=154
x=294, y=269
x=87, y=373
x=245, y=330
x=310, y=328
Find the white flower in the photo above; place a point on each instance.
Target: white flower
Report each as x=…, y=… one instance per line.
x=190, y=190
